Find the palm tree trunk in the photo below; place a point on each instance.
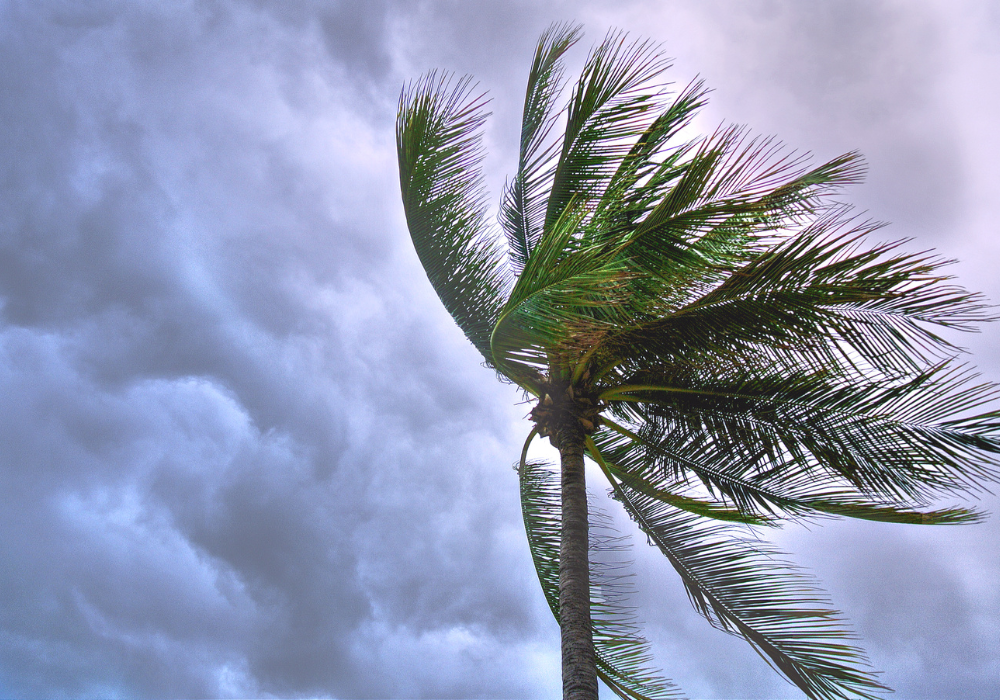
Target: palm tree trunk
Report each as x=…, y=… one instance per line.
x=579, y=672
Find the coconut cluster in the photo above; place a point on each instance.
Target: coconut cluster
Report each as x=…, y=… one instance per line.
x=566, y=408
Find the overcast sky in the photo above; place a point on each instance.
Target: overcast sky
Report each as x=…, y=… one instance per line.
x=243, y=449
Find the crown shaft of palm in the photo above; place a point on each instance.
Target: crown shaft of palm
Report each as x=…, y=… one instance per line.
x=706, y=323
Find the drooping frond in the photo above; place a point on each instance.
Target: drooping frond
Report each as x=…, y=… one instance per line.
x=522, y=210
x=891, y=441
x=438, y=145
x=743, y=587
x=623, y=656
x=666, y=466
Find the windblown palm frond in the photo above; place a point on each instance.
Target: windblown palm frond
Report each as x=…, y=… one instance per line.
x=613, y=103
x=522, y=210
x=817, y=299
x=745, y=588
x=439, y=146
x=670, y=465
x=705, y=321
x=885, y=441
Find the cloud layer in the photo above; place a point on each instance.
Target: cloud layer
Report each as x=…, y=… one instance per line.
x=244, y=452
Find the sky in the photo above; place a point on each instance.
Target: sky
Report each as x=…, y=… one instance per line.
x=244, y=452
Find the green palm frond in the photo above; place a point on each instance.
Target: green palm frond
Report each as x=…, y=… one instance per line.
x=729, y=194
x=522, y=210
x=824, y=298
x=819, y=293
x=623, y=656
x=652, y=164
x=624, y=456
x=557, y=297
x=665, y=466
x=745, y=588
x=613, y=103
x=883, y=440
x=438, y=143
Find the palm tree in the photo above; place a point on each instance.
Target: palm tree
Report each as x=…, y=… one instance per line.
x=710, y=327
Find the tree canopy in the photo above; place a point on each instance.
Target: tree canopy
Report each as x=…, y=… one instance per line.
x=713, y=327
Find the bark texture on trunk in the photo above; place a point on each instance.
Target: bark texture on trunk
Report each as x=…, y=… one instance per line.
x=579, y=672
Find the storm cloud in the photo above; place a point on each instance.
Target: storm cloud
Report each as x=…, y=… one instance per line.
x=243, y=449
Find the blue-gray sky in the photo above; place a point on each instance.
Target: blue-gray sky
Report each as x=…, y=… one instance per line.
x=244, y=451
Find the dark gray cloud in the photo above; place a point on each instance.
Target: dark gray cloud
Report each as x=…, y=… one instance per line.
x=231, y=443
x=243, y=450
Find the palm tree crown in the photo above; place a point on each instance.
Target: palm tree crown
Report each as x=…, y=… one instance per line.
x=712, y=329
